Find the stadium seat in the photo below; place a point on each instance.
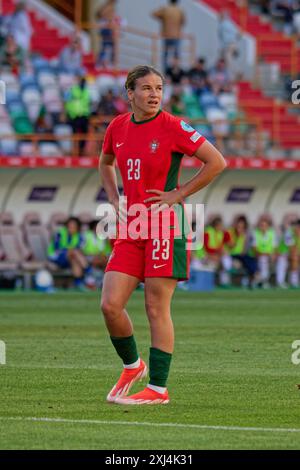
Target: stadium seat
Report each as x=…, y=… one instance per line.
x=85, y=217
x=12, y=243
x=66, y=81
x=16, y=107
x=105, y=83
x=8, y=145
x=49, y=149
x=26, y=149
x=36, y=236
x=13, y=94
x=39, y=63
x=33, y=111
x=31, y=95
x=9, y=79
x=52, y=100
x=27, y=81
x=57, y=219
x=6, y=218
x=64, y=130
x=6, y=265
x=22, y=125
x=46, y=79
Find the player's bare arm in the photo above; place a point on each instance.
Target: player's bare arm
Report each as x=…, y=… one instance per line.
x=214, y=164
x=109, y=178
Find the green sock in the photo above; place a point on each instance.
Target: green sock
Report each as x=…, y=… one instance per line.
x=126, y=349
x=159, y=366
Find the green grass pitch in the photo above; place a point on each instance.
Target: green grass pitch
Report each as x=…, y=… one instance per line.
x=231, y=370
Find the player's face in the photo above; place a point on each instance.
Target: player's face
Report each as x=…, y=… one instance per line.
x=146, y=98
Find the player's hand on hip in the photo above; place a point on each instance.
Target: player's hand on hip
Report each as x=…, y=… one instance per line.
x=163, y=199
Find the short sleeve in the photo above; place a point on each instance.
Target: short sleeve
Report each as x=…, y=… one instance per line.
x=107, y=147
x=185, y=138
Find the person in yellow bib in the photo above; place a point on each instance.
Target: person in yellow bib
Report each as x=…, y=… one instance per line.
x=214, y=251
x=295, y=254
x=264, y=244
x=240, y=249
x=65, y=252
x=95, y=248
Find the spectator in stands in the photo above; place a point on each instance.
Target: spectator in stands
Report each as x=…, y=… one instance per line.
x=264, y=243
x=109, y=24
x=296, y=19
x=4, y=29
x=219, y=76
x=176, y=106
x=65, y=251
x=106, y=104
x=11, y=55
x=241, y=239
x=78, y=108
x=20, y=27
x=175, y=72
x=285, y=8
x=70, y=59
x=198, y=76
x=44, y=124
x=172, y=20
x=229, y=37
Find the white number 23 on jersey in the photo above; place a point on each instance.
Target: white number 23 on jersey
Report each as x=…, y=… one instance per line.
x=133, y=169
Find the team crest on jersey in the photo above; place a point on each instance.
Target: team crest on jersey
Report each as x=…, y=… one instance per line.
x=186, y=127
x=154, y=146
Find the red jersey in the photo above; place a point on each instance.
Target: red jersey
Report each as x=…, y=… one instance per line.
x=149, y=153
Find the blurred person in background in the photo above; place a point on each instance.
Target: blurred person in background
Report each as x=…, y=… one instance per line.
x=172, y=19
x=283, y=252
x=295, y=253
x=229, y=37
x=239, y=251
x=70, y=59
x=20, y=27
x=109, y=22
x=11, y=55
x=175, y=72
x=97, y=250
x=198, y=76
x=78, y=108
x=264, y=244
x=65, y=251
x=214, y=251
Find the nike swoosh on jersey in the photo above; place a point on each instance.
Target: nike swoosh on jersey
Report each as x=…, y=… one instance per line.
x=119, y=145
x=159, y=266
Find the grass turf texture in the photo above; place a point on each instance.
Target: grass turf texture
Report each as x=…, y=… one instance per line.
x=231, y=367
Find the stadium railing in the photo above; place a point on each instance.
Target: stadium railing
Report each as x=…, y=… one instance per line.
x=94, y=138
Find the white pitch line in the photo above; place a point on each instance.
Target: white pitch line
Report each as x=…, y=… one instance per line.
x=145, y=423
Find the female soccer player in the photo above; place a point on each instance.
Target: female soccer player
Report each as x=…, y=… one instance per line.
x=148, y=146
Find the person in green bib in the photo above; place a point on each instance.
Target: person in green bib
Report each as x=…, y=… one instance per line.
x=283, y=259
x=96, y=248
x=65, y=250
x=295, y=253
x=215, y=250
x=264, y=243
x=240, y=249
x=78, y=108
